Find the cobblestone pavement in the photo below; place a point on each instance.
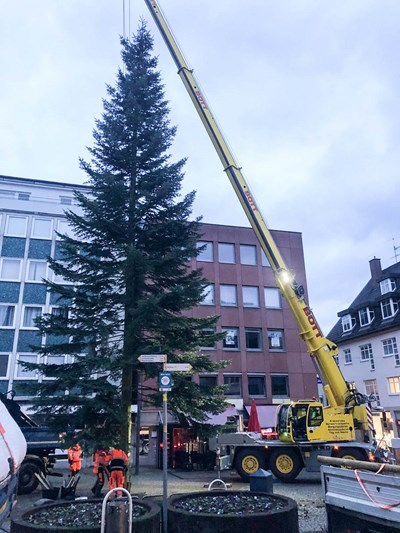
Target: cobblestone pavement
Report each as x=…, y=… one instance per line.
x=306, y=491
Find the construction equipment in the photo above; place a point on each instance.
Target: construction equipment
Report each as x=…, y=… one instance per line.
x=41, y=442
x=305, y=428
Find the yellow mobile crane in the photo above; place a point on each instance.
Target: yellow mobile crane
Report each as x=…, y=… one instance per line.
x=305, y=428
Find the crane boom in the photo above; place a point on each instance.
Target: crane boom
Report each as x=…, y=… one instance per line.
x=320, y=348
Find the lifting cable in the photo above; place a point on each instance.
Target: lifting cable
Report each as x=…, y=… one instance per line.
x=357, y=474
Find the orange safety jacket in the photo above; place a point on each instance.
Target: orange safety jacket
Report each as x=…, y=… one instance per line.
x=101, y=458
x=118, y=460
x=74, y=455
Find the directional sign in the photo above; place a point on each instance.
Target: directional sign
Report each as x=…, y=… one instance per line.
x=178, y=367
x=155, y=358
x=165, y=382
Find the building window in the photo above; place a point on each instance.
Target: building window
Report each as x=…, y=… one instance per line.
x=231, y=340
x=206, y=253
x=24, y=196
x=253, y=339
x=279, y=386
x=389, y=308
x=390, y=348
x=226, y=252
x=208, y=381
x=387, y=285
x=248, y=254
x=276, y=340
x=264, y=260
x=234, y=385
x=4, y=358
x=256, y=386
x=251, y=296
x=394, y=385
x=24, y=373
x=30, y=314
x=347, y=356
x=208, y=295
x=66, y=200
x=371, y=390
x=36, y=270
x=42, y=228
x=366, y=316
x=64, y=228
x=272, y=298
x=7, y=316
x=16, y=226
x=10, y=269
x=208, y=345
x=348, y=323
x=228, y=295
x=367, y=354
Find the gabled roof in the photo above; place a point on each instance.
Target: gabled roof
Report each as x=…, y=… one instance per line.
x=371, y=297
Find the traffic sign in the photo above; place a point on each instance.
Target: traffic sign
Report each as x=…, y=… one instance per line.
x=165, y=382
x=153, y=358
x=178, y=367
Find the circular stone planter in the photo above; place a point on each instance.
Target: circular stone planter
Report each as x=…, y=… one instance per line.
x=87, y=519
x=250, y=512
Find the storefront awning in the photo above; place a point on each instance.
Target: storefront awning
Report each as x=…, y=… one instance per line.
x=222, y=418
x=154, y=418
x=266, y=415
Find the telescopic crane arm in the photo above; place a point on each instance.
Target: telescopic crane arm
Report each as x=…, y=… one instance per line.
x=320, y=348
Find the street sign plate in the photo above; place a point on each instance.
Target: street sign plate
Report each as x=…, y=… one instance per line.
x=165, y=381
x=178, y=367
x=153, y=358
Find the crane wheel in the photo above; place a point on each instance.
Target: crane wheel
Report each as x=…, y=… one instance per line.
x=285, y=464
x=249, y=461
x=353, y=454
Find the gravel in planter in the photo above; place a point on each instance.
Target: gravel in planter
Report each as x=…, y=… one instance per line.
x=230, y=503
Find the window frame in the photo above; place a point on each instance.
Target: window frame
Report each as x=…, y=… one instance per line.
x=248, y=247
x=366, y=316
x=348, y=323
x=23, y=378
x=7, y=231
x=276, y=375
x=209, y=247
x=232, y=248
x=390, y=344
x=240, y=382
x=211, y=289
x=237, y=336
x=28, y=267
x=251, y=289
x=261, y=377
x=49, y=235
x=395, y=381
x=282, y=336
x=276, y=291
x=8, y=367
x=14, y=259
x=24, y=308
x=228, y=285
x=12, y=326
x=213, y=377
x=260, y=343
x=394, y=308
x=348, y=358
x=387, y=285
x=367, y=348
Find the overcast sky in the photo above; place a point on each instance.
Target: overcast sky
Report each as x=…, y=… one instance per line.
x=306, y=92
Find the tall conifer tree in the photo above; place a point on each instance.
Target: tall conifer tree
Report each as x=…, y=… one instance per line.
x=127, y=282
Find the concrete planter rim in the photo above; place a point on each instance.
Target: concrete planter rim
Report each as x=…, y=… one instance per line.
x=289, y=504
x=20, y=520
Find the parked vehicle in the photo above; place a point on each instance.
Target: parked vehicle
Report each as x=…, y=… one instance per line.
x=41, y=446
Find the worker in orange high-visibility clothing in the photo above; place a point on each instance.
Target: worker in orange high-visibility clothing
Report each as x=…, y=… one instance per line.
x=101, y=458
x=117, y=467
x=74, y=458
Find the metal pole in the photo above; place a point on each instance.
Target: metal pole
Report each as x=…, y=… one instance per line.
x=165, y=462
